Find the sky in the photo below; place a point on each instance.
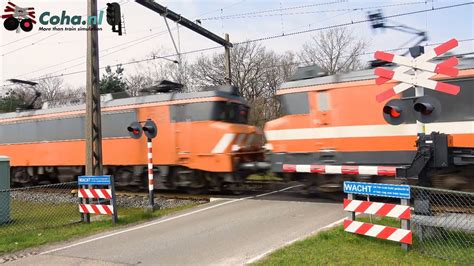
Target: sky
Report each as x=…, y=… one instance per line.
x=31, y=55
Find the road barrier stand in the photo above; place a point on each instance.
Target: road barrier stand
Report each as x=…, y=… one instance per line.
x=106, y=200
x=402, y=211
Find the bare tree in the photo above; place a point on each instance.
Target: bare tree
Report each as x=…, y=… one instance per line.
x=51, y=88
x=136, y=82
x=335, y=50
x=255, y=70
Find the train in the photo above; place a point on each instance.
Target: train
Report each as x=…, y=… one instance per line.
x=204, y=140
x=331, y=129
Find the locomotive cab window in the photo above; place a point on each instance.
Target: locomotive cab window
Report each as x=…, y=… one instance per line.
x=294, y=103
x=236, y=113
x=216, y=111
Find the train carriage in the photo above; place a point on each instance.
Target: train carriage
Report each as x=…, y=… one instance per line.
x=333, y=129
x=203, y=140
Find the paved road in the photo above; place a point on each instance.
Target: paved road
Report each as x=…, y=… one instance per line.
x=224, y=232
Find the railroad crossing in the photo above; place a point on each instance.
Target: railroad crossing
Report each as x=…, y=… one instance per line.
x=225, y=232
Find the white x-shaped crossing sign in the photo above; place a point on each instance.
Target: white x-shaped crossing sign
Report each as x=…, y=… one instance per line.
x=423, y=79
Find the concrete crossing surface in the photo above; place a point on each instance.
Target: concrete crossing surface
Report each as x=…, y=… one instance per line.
x=223, y=232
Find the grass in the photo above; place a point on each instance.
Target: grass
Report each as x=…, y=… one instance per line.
x=44, y=223
x=336, y=247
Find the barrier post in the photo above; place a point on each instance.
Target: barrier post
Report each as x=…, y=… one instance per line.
x=150, y=175
x=405, y=223
x=351, y=215
x=114, y=199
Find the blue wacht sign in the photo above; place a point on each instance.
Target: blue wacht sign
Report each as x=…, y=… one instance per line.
x=102, y=180
x=378, y=189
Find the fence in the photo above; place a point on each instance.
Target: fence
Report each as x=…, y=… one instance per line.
x=30, y=210
x=443, y=223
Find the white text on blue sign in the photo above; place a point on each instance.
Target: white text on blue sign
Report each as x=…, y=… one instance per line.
x=381, y=190
x=94, y=180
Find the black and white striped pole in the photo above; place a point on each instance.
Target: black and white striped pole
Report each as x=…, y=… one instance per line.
x=136, y=130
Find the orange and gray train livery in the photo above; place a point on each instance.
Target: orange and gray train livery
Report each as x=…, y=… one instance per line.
x=333, y=129
x=203, y=141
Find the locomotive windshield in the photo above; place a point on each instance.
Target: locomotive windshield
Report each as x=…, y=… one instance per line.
x=294, y=103
x=229, y=112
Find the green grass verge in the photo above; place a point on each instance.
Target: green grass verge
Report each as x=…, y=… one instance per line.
x=336, y=247
x=39, y=224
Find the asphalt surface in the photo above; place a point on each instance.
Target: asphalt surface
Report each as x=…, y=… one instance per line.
x=223, y=232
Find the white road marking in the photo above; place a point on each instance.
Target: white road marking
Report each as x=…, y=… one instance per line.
x=261, y=256
x=165, y=220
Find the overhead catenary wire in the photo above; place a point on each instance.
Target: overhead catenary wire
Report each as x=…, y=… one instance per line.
x=140, y=40
x=273, y=10
x=278, y=36
x=132, y=43
x=351, y=10
x=352, y=23
x=256, y=15
x=328, y=27
x=218, y=47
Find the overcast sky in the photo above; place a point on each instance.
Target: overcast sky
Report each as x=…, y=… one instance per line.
x=29, y=55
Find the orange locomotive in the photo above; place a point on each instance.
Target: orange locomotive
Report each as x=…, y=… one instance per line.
x=203, y=140
x=333, y=129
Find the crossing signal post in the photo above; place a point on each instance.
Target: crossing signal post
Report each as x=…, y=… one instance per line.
x=114, y=17
x=432, y=149
x=136, y=130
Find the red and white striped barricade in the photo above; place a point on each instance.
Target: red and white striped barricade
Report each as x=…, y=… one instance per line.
x=89, y=190
x=402, y=212
x=340, y=169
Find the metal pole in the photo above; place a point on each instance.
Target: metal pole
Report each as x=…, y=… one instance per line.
x=419, y=91
x=114, y=200
x=93, y=133
x=150, y=174
x=405, y=223
x=351, y=215
x=227, y=61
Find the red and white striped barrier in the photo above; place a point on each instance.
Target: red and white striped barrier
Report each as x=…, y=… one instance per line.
x=377, y=208
x=150, y=165
x=96, y=209
x=340, y=169
x=378, y=231
x=95, y=193
x=87, y=191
